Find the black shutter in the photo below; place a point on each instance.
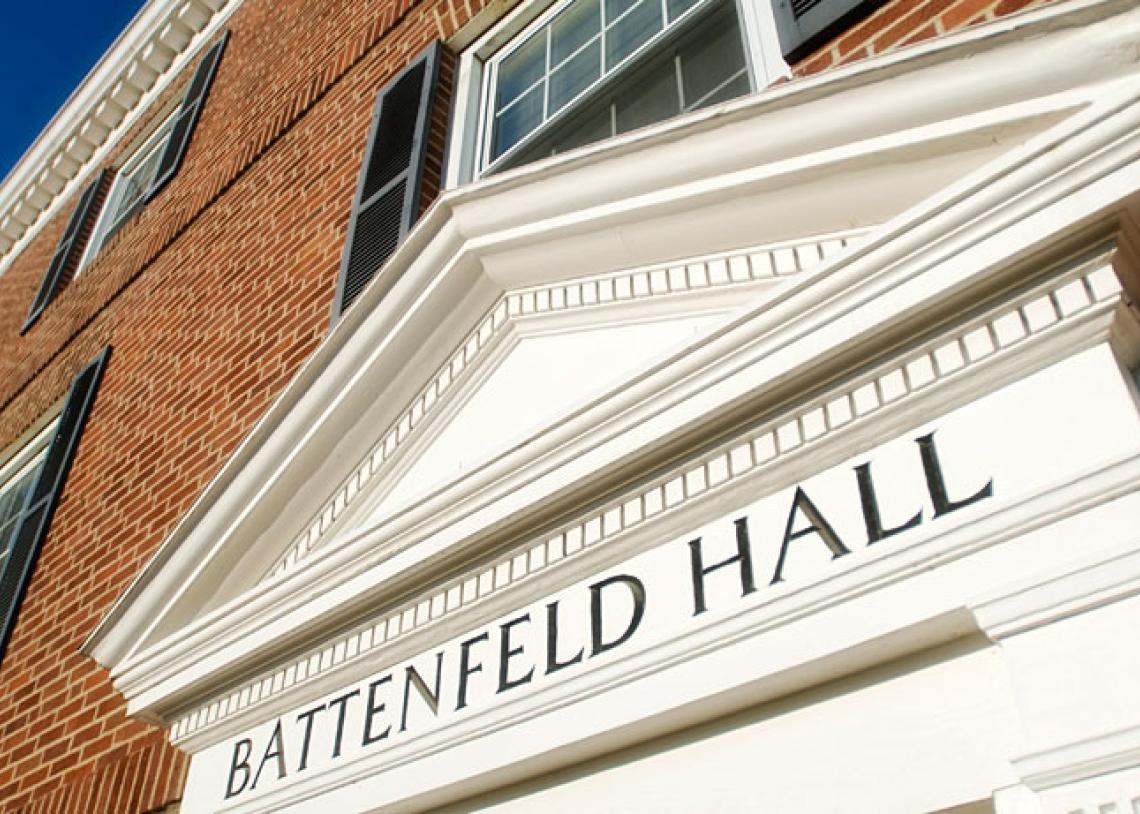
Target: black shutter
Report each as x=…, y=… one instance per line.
x=41, y=500
x=388, y=192
x=186, y=118
x=801, y=22
x=70, y=247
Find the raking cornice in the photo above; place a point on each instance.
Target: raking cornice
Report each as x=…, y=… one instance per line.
x=137, y=67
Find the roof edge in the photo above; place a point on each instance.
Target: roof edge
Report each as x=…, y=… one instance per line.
x=140, y=63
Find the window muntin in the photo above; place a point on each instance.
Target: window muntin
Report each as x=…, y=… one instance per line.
x=130, y=186
x=579, y=48
x=17, y=477
x=706, y=65
x=469, y=134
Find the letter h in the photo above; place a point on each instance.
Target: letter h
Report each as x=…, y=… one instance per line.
x=743, y=556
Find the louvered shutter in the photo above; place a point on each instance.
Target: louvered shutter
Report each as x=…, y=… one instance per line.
x=41, y=500
x=798, y=21
x=186, y=118
x=70, y=247
x=388, y=191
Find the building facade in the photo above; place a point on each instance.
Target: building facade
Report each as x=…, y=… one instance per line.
x=577, y=406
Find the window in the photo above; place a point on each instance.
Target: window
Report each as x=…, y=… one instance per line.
x=31, y=482
x=98, y=214
x=17, y=477
x=548, y=79
x=624, y=58
x=129, y=188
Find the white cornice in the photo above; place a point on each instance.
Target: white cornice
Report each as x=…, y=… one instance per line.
x=1003, y=343
x=714, y=273
x=1042, y=599
x=138, y=66
x=647, y=194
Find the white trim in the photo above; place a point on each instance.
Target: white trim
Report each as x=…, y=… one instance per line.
x=110, y=218
x=1093, y=580
x=1081, y=760
x=760, y=461
x=20, y=458
x=470, y=139
x=985, y=228
x=741, y=268
x=162, y=39
x=764, y=52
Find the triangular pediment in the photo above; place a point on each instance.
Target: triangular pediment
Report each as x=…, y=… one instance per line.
x=528, y=311
x=540, y=379
x=538, y=356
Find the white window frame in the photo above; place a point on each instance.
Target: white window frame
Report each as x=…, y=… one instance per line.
x=109, y=219
x=22, y=457
x=470, y=130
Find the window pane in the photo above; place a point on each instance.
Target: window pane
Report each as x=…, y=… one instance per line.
x=573, y=77
x=652, y=98
x=518, y=120
x=147, y=170
x=632, y=31
x=6, y=531
x=737, y=86
x=130, y=191
x=521, y=70
x=11, y=502
x=573, y=28
x=676, y=8
x=580, y=133
x=708, y=62
x=616, y=8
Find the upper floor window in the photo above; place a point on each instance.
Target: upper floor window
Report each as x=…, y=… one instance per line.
x=17, y=477
x=129, y=188
x=148, y=167
x=31, y=483
x=615, y=55
x=548, y=80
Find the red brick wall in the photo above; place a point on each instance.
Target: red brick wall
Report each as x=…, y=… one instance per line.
x=211, y=297
x=432, y=181
x=897, y=24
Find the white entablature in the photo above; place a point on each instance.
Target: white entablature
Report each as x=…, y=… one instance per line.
x=987, y=297
x=147, y=55
x=950, y=155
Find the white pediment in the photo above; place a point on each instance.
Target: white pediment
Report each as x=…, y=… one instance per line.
x=577, y=319
x=539, y=355
x=541, y=379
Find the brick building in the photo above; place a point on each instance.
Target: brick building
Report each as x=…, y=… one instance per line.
x=578, y=405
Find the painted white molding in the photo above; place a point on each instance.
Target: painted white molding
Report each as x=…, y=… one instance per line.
x=1090, y=581
x=162, y=38
x=986, y=184
x=1055, y=316
x=1088, y=758
x=734, y=270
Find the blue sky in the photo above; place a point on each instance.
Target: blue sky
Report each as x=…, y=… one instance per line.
x=45, y=51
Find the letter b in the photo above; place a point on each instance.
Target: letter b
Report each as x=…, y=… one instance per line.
x=240, y=761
